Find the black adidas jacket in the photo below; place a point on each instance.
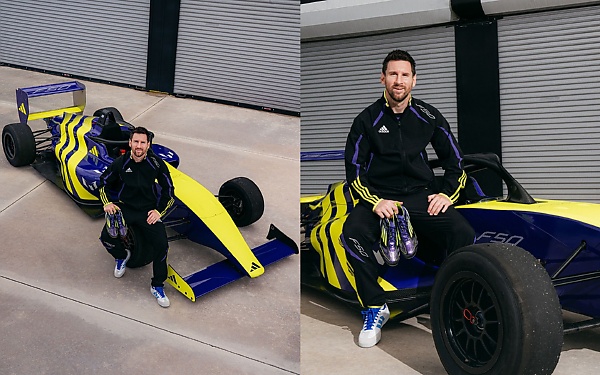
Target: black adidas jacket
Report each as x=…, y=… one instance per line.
x=134, y=183
x=385, y=156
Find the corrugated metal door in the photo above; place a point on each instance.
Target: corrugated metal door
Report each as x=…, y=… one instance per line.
x=550, y=102
x=341, y=77
x=105, y=40
x=240, y=51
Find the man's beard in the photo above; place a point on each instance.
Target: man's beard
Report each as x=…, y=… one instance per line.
x=397, y=98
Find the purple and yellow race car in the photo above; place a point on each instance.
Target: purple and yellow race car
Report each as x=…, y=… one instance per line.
x=495, y=305
x=73, y=151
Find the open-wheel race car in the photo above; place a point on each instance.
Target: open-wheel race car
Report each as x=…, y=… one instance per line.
x=73, y=151
x=495, y=306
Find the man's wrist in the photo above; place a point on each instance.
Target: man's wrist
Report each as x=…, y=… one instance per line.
x=376, y=203
x=447, y=197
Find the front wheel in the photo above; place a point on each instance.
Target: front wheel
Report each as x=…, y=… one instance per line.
x=18, y=144
x=243, y=200
x=494, y=311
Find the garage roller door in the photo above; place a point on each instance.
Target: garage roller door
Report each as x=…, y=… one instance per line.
x=239, y=51
x=105, y=40
x=550, y=102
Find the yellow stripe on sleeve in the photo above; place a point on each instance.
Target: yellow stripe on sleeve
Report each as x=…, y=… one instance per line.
x=462, y=181
x=364, y=192
x=103, y=196
x=169, y=204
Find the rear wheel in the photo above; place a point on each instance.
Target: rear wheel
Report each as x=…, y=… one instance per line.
x=243, y=200
x=18, y=144
x=494, y=311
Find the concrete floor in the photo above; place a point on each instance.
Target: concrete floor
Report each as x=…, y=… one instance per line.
x=330, y=331
x=62, y=310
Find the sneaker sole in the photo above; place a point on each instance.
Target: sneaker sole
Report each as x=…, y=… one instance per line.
x=369, y=345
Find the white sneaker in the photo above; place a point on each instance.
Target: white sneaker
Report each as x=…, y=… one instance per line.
x=375, y=318
x=120, y=264
x=161, y=297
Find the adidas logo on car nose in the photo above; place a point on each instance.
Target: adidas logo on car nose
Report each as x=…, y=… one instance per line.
x=383, y=130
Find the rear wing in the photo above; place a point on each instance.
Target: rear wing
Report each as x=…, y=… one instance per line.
x=23, y=95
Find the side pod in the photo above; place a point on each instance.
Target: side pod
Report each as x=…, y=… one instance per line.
x=224, y=272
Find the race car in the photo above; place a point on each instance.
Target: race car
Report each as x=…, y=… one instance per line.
x=495, y=306
x=73, y=151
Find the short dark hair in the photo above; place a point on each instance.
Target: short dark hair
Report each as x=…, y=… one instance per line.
x=399, y=55
x=141, y=130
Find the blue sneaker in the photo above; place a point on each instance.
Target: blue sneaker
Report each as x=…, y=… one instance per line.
x=407, y=234
x=120, y=264
x=111, y=225
x=115, y=224
x=159, y=293
x=390, y=242
x=120, y=220
x=374, y=319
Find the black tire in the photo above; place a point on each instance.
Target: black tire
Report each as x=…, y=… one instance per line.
x=243, y=200
x=136, y=243
x=18, y=144
x=494, y=311
x=113, y=110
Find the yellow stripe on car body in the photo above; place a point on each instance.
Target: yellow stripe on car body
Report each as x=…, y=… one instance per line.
x=204, y=205
x=70, y=151
x=580, y=211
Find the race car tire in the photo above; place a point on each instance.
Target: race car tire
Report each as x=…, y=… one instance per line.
x=243, y=200
x=494, y=311
x=113, y=110
x=136, y=243
x=18, y=144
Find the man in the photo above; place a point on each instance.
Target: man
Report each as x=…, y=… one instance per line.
x=137, y=203
x=387, y=167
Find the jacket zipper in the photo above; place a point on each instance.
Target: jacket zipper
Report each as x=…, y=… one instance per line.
x=403, y=188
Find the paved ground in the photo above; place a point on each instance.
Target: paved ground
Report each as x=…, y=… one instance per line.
x=62, y=310
x=330, y=331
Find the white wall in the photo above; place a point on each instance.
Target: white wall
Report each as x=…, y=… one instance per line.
x=496, y=7
x=346, y=17
x=332, y=18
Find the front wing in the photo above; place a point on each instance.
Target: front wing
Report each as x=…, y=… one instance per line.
x=224, y=272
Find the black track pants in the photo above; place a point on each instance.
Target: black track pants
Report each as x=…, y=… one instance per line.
x=437, y=235
x=155, y=236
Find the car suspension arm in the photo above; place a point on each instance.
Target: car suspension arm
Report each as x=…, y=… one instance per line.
x=579, y=326
x=568, y=260
x=572, y=279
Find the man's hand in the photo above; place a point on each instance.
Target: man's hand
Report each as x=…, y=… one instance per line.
x=111, y=208
x=386, y=208
x=438, y=203
x=153, y=217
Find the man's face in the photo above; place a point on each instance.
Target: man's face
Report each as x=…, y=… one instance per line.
x=398, y=80
x=139, y=145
